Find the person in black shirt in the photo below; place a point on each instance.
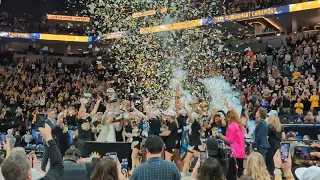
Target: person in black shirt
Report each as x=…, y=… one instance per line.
x=194, y=141
x=133, y=129
x=275, y=135
x=217, y=124
x=171, y=134
x=182, y=117
x=84, y=126
x=286, y=103
x=18, y=139
x=97, y=125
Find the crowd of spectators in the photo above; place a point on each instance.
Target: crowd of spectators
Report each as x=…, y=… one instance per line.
x=286, y=81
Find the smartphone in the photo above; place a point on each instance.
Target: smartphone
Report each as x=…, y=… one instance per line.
x=284, y=151
x=113, y=155
x=303, y=153
x=219, y=130
x=203, y=157
x=41, y=121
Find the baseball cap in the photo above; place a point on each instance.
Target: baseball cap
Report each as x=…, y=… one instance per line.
x=273, y=113
x=310, y=173
x=212, y=146
x=73, y=152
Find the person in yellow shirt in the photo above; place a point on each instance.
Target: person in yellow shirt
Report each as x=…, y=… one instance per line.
x=34, y=114
x=314, y=99
x=295, y=74
x=299, y=106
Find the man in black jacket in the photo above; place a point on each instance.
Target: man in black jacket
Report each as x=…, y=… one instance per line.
x=77, y=168
x=17, y=165
x=261, y=143
x=51, y=121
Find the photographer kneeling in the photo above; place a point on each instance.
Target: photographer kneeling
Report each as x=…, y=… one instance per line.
x=17, y=165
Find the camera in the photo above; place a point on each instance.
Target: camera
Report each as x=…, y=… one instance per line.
x=225, y=152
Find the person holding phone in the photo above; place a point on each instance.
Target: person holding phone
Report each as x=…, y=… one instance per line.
x=19, y=160
x=51, y=121
x=282, y=167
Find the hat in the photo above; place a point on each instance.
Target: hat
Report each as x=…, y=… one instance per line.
x=273, y=113
x=311, y=173
x=99, y=113
x=169, y=112
x=73, y=152
x=212, y=147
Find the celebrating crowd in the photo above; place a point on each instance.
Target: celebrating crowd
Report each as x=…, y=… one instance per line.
x=104, y=105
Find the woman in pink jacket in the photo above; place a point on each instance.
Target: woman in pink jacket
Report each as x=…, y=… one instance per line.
x=235, y=135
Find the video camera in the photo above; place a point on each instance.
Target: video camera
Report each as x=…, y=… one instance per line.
x=218, y=149
x=225, y=152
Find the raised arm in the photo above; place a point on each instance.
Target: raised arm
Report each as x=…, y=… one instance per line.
x=95, y=108
x=190, y=115
x=138, y=112
x=146, y=108
x=105, y=116
x=177, y=102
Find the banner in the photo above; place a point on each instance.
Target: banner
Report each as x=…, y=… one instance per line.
x=234, y=17
x=251, y=14
x=304, y=6
x=68, y=38
x=67, y=18
x=33, y=36
x=170, y=27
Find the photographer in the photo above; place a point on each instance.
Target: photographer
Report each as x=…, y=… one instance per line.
x=215, y=153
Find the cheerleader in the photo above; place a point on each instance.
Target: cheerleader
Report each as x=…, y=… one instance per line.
x=171, y=134
x=194, y=141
